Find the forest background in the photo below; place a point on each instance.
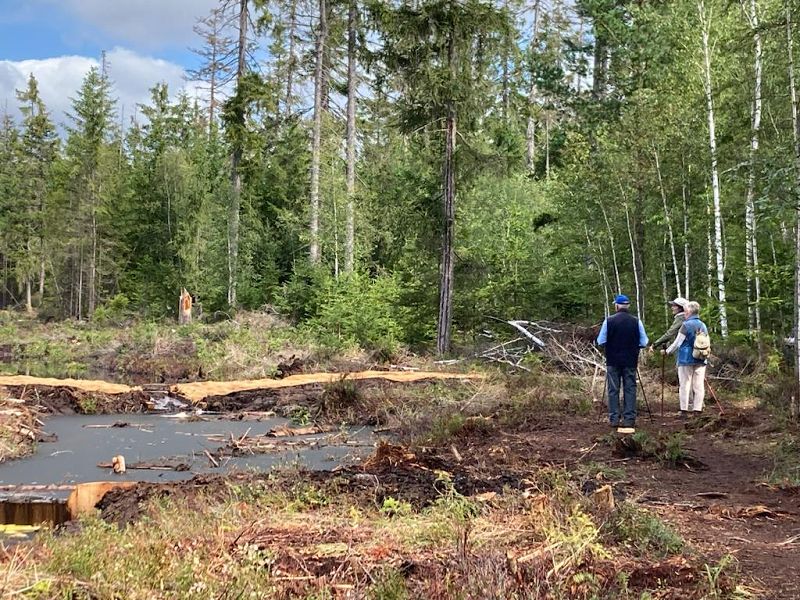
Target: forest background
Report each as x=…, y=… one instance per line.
x=385, y=171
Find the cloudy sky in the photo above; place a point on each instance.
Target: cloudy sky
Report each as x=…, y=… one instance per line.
x=146, y=41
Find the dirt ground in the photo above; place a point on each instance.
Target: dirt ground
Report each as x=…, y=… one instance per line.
x=720, y=505
x=714, y=496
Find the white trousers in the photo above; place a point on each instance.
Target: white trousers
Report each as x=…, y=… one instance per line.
x=691, y=379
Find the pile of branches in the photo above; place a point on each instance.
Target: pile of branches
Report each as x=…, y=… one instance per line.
x=566, y=347
x=20, y=426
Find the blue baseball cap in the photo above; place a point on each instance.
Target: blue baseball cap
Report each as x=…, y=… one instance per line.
x=622, y=299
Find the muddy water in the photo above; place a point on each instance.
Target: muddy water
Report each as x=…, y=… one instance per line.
x=153, y=438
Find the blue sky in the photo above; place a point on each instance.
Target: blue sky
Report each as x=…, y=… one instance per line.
x=146, y=41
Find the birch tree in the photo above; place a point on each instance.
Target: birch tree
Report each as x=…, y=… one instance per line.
x=796, y=139
x=705, y=26
x=751, y=244
x=668, y=220
x=530, y=131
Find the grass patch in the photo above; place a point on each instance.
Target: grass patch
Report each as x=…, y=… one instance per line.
x=786, y=463
x=643, y=531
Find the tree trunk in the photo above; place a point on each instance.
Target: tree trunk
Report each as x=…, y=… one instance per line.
x=600, y=65
x=28, y=301
x=236, y=157
x=795, y=404
x=505, y=92
x=613, y=249
x=292, y=61
x=316, y=139
x=669, y=224
x=530, y=135
x=448, y=235
x=712, y=144
x=41, y=275
x=633, y=263
x=751, y=246
x=547, y=146
x=352, y=84
x=709, y=253
x=685, y=242
x=92, y=283
x=80, y=285
x=665, y=291
x=603, y=276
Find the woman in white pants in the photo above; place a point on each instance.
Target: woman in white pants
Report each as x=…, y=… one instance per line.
x=691, y=370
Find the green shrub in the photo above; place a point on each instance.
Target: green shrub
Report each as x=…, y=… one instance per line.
x=352, y=311
x=644, y=531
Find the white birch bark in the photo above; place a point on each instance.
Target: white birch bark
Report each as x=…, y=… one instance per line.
x=796, y=135
x=603, y=276
x=669, y=223
x=751, y=245
x=685, y=242
x=613, y=250
x=530, y=135
x=633, y=265
x=705, y=21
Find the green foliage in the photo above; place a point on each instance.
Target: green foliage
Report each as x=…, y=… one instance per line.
x=306, y=496
x=674, y=453
x=392, y=507
x=351, y=311
x=390, y=585
x=643, y=531
x=573, y=174
x=786, y=462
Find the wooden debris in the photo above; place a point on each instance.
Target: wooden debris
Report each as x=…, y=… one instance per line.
x=567, y=347
x=286, y=431
x=211, y=459
x=603, y=498
x=164, y=465
x=712, y=495
x=185, y=308
x=118, y=464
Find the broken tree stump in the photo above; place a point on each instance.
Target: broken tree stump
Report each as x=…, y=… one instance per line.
x=185, y=308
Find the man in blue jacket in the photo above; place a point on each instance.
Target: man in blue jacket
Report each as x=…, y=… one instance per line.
x=622, y=335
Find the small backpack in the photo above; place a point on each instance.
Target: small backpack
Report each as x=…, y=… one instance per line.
x=702, y=345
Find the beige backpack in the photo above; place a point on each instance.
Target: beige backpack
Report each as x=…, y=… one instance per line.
x=702, y=345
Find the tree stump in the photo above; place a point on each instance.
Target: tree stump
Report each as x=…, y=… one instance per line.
x=185, y=308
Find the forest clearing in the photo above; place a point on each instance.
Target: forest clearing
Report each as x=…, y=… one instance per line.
x=399, y=299
x=486, y=484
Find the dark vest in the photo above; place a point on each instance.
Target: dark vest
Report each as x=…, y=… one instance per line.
x=622, y=345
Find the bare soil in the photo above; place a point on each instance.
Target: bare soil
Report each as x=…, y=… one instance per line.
x=717, y=500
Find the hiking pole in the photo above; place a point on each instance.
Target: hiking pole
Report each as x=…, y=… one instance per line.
x=644, y=395
x=714, y=396
x=663, y=361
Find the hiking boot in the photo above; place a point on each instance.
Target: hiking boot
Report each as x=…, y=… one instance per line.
x=629, y=424
x=614, y=424
x=683, y=414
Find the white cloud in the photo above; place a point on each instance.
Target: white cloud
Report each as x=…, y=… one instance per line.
x=146, y=23
x=60, y=77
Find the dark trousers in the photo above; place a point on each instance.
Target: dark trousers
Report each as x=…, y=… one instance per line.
x=626, y=376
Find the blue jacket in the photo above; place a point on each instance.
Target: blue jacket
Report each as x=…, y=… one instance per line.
x=690, y=328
